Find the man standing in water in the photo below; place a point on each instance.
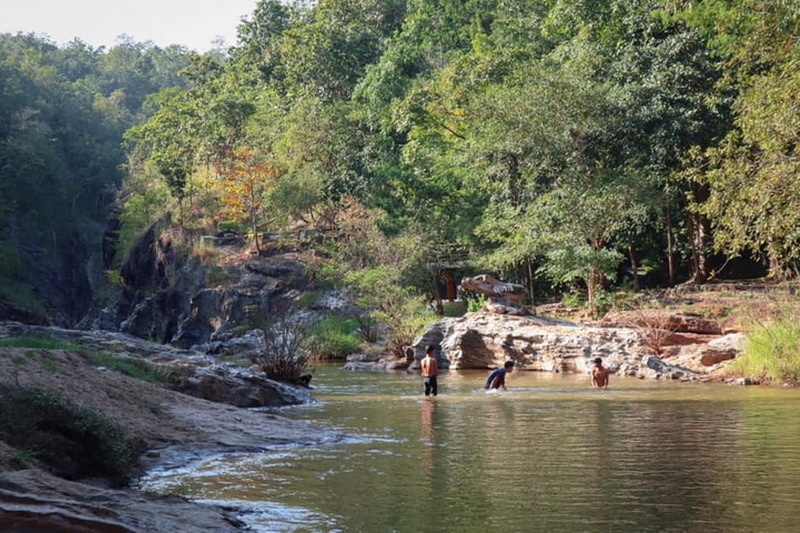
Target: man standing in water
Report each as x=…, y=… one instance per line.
x=430, y=367
x=599, y=375
x=497, y=379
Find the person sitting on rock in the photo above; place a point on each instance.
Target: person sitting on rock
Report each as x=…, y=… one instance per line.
x=497, y=379
x=600, y=375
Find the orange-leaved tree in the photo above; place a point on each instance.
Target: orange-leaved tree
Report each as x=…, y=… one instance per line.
x=244, y=177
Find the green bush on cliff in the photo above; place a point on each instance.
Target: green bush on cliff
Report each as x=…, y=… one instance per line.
x=772, y=352
x=73, y=441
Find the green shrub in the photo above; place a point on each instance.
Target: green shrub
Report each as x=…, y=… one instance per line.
x=604, y=301
x=772, y=352
x=454, y=309
x=477, y=303
x=216, y=274
x=334, y=338
x=41, y=342
x=73, y=441
x=138, y=368
x=571, y=299
x=308, y=299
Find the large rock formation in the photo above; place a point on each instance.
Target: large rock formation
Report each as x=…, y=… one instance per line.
x=53, y=279
x=486, y=340
x=170, y=297
x=176, y=430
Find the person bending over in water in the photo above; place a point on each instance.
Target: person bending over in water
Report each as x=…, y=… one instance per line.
x=600, y=375
x=430, y=367
x=497, y=379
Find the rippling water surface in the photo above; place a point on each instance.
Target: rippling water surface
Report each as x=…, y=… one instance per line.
x=550, y=455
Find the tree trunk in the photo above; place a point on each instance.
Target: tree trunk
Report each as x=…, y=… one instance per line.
x=593, y=283
x=437, y=296
x=698, y=227
x=530, y=285
x=634, y=267
x=254, y=225
x=670, y=249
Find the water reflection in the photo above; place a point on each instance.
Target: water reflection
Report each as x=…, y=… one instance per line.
x=549, y=455
x=428, y=420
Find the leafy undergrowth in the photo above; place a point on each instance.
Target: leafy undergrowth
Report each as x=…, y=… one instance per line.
x=772, y=353
x=70, y=440
x=334, y=339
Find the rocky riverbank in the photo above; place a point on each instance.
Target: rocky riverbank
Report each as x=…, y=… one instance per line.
x=173, y=429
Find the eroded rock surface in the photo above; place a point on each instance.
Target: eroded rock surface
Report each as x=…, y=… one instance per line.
x=486, y=340
x=197, y=374
x=32, y=500
x=176, y=429
x=171, y=298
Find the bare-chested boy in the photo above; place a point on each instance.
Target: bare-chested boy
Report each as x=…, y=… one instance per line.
x=430, y=367
x=600, y=375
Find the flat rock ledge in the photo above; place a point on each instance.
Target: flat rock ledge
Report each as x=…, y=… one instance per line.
x=201, y=375
x=32, y=500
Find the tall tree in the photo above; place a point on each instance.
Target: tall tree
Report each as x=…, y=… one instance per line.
x=754, y=175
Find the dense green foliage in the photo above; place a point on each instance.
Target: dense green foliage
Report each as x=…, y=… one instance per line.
x=555, y=142
x=62, y=115
x=334, y=339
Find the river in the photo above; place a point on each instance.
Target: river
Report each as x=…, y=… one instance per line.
x=549, y=455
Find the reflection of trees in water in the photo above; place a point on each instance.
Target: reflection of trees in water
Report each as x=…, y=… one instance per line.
x=764, y=466
x=669, y=462
x=606, y=464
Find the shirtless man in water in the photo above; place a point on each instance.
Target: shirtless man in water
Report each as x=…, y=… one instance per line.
x=600, y=375
x=430, y=367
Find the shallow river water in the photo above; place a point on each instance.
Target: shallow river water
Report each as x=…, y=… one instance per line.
x=549, y=455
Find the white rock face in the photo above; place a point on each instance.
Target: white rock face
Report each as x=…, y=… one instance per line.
x=486, y=340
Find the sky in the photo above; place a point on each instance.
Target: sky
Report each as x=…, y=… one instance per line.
x=195, y=24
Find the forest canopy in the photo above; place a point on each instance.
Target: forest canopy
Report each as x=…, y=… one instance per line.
x=557, y=142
